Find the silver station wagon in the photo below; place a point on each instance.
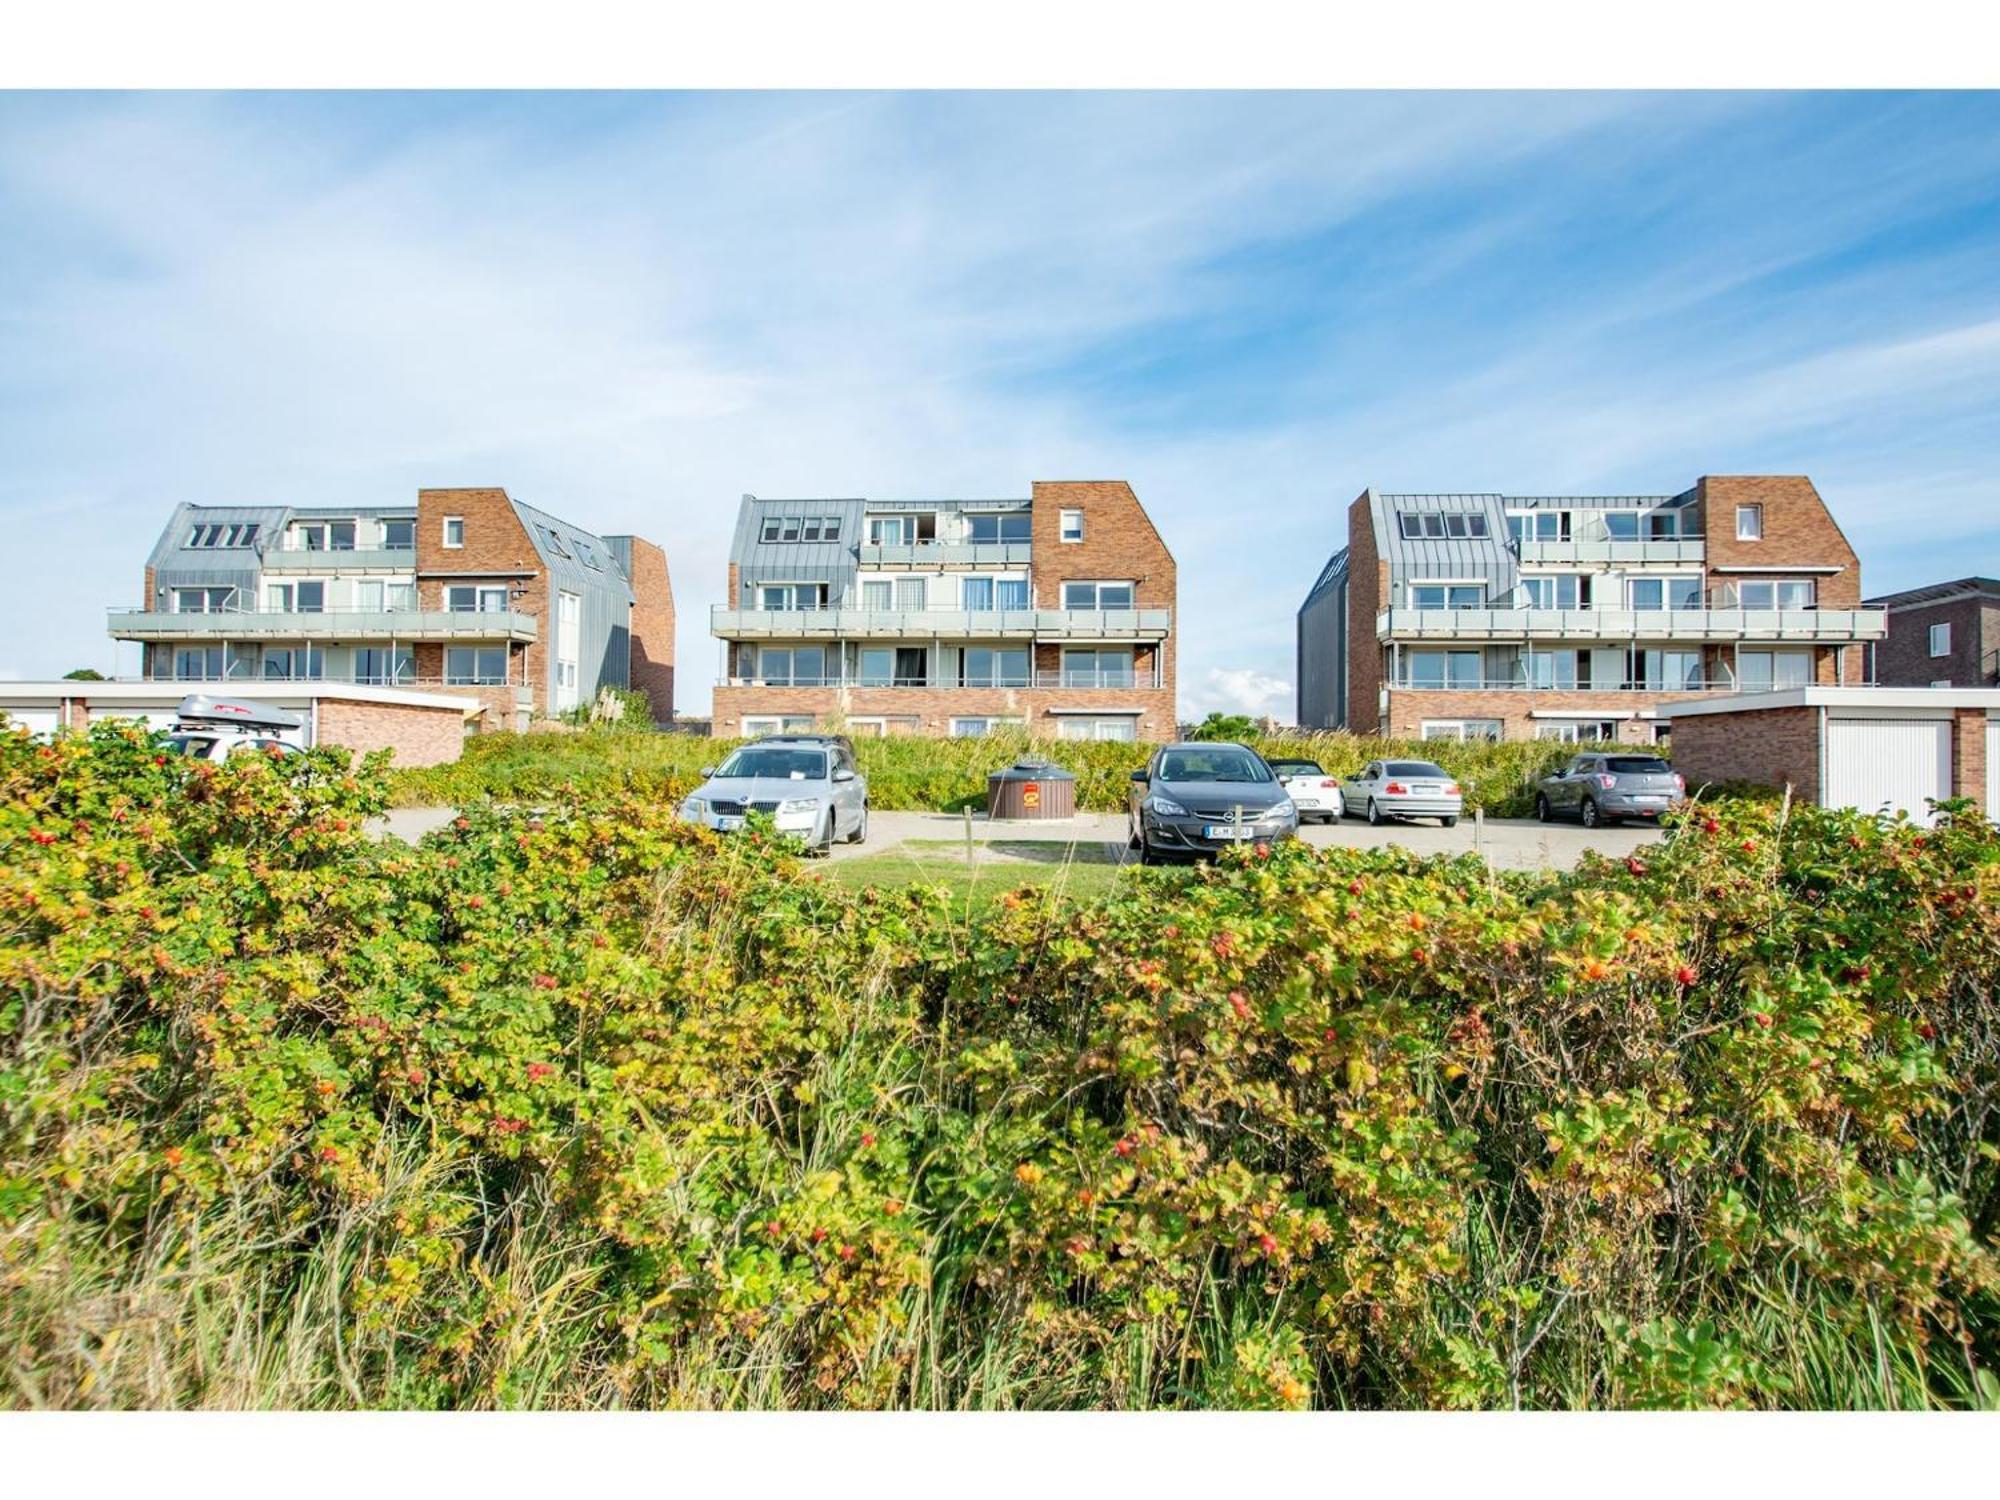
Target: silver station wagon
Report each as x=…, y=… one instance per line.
x=809, y=787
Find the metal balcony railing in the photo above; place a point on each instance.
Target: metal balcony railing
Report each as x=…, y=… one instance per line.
x=1616, y=625
x=323, y=625
x=858, y=624
x=1040, y=681
x=1683, y=549
x=1513, y=685
x=947, y=555
x=332, y=560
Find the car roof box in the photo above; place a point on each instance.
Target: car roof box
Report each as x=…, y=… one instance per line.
x=205, y=708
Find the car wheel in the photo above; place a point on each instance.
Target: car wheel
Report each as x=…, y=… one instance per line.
x=1589, y=812
x=1449, y=822
x=860, y=834
x=1542, y=813
x=1374, y=814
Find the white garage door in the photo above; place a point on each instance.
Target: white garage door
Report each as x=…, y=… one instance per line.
x=1888, y=765
x=35, y=718
x=154, y=715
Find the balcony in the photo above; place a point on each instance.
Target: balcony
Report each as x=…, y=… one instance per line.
x=1680, y=689
x=932, y=624
x=1608, y=550
x=1806, y=626
x=948, y=555
x=323, y=625
x=336, y=560
x=1041, y=682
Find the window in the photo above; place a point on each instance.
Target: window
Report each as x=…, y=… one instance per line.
x=1767, y=671
x=978, y=728
x=1100, y=596
x=1775, y=593
x=787, y=724
x=1458, y=524
x=791, y=596
x=586, y=554
x=876, y=593
x=1071, y=525
x=1622, y=525
x=1010, y=593
x=381, y=665
x=480, y=598
x=1461, y=729
x=792, y=666
x=204, y=601
x=210, y=535
x=975, y=595
x=199, y=663
x=454, y=531
x=1941, y=638
x=1447, y=595
x=1940, y=682
x=912, y=593
x=1098, y=727
x=1548, y=669
x=294, y=664
x=1439, y=669
x=980, y=666
x=1749, y=523
x=1538, y=525
x=475, y=666
x=1578, y=731
x=1097, y=667
x=877, y=666
x=809, y=529
x=1557, y=592
x=554, y=540
x=569, y=646
x=770, y=534
x=1663, y=525
x=888, y=531
x=1665, y=671
x=306, y=597
x=399, y=536
x=373, y=595
x=1663, y=593
x=1013, y=526
x=789, y=532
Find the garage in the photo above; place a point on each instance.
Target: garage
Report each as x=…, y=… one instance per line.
x=1888, y=765
x=36, y=718
x=1873, y=749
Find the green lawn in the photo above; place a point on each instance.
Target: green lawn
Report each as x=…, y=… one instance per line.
x=1078, y=872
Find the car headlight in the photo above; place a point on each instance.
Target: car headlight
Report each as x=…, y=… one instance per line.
x=799, y=805
x=694, y=807
x=1283, y=812
x=1166, y=807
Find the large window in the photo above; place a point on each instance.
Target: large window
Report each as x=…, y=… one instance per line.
x=1666, y=671
x=1443, y=669
x=1004, y=666
x=306, y=597
x=204, y=601
x=1079, y=594
x=1559, y=591
x=383, y=665
x=791, y=596
x=1776, y=593
x=1579, y=731
x=779, y=724
x=1622, y=525
x=977, y=728
x=373, y=595
x=1461, y=729
x=1663, y=593
x=1097, y=727
x=912, y=593
x=1011, y=526
x=199, y=663
x=569, y=647
x=1768, y=671
x=792, y=666
x=295, y=663
x=889, y=531
x=399, y=536
x=477, y=598
x=1440, y=525
x=1093, y=667
x=1538, y=525
x=1548, y=669
x=323, y=536
x=475, y=666
x=877, y=593
x=975, y=595
x=1447, y=595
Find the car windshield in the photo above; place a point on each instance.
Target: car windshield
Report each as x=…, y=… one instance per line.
x=189, y=744
x=779, y=764
x=1414, y=768
x=1297, y=768
x=1647, y=764
x=1212, y=765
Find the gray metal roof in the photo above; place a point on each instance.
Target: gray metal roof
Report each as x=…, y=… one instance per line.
x=1329, y=576
x=572, y=572
x=795, y=562
x=1931, y=593
x=1488, y=557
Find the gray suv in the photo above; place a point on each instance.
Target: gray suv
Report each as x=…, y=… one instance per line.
x=1605, y=786
x=1199, y=798
x=809, y=787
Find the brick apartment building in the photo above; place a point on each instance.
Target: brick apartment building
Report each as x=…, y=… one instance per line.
x=468, y=592
x=950, y=617
x=1578, y=617
x=1943, y=635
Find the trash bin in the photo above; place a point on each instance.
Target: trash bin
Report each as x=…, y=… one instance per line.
x=1031, y=789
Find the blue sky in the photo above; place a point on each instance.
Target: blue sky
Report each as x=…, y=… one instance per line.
x=631, y=309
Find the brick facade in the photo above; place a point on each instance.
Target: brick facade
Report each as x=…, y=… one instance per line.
x=1799, y=531
x=419, y=736
x=1968, y=757
x=1772, y=746
x=652, y=671
x=1367, y=588
x=935, y=708
x=1119, y=542
x=497, y=550
x=1410, y=707
x=1904, y=658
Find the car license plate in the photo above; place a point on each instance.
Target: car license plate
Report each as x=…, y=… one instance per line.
x=1228, y=831
x=728, y=825
x=1648, y=797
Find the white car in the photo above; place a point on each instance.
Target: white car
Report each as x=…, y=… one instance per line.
x=1402, y=789
x=1314, y=793
x=211, y=728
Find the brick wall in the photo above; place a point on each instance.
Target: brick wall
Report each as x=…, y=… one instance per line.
x=1119, y=541
x=498, y=547
x=1903, y=658
x=1798, y=531
x=419, y=736
x=1968, y=756
x=1409, y=707
x=1367, y=587
x=935, y=708
x=652, y=627
x=1772, y=746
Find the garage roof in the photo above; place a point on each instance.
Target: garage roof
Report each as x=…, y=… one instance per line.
x=1941, y=699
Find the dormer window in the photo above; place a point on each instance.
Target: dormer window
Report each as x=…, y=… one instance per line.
x=209, y=535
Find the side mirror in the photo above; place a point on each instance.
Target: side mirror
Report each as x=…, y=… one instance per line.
x=843, y=774
x=706, y=772
x=1140, y=777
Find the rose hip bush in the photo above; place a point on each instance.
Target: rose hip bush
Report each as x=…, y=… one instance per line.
x=584, y=1107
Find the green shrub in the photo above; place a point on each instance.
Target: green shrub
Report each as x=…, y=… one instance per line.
x=578, y=1106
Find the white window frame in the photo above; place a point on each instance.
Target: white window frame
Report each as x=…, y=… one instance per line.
x=1754, y=516
x=1462, y=729
x=445, y=534
x=1069, y=526
x=1096, y=587
x=1940, y=643
x=756, y=724
x=990, y=724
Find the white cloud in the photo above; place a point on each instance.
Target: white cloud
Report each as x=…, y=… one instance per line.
x=1241, y=690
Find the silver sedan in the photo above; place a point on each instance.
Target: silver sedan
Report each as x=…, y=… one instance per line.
x=1387, y=789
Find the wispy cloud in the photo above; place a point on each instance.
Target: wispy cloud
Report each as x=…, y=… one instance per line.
x=631, y=309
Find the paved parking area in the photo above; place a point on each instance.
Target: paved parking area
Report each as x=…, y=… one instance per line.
x=1507, y=843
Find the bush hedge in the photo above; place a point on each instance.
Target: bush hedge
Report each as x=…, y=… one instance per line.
x=582, y=1107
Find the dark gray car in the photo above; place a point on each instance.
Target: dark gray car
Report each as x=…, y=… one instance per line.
x=1604, y=786
x=1195, y=799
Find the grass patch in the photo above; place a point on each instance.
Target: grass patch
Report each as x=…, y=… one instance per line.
x=1070, y=872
